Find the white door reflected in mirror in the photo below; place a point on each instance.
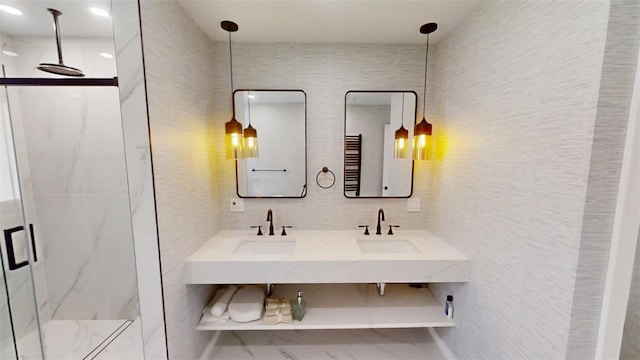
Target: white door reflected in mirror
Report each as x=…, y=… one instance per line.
x=371, y=119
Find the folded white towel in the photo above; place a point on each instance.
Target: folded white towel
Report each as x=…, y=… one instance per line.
x=208, y=318
x=220, y=302
x=216, y=297
x=247, y=304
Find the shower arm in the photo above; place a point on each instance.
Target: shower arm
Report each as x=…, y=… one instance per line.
x=56, y=27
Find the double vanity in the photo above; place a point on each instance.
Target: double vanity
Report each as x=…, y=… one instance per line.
x=341, y=273
x=351, y=279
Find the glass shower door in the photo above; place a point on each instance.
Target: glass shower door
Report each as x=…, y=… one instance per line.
x=8, y=348
x=19, y=322
x=72, y=170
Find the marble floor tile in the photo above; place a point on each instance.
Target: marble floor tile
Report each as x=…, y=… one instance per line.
x=126, y=346
x=80, y=339
x=369, y=344
x=30, y=351
x=74, y=339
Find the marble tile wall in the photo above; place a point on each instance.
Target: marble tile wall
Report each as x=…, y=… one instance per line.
x=76, y=161
x=180, y=91
x=133, y=101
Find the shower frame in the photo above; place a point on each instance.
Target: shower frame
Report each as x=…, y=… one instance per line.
x=139, y=167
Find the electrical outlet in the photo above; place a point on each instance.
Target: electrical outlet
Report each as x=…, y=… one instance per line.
x=236, y=205
x=413, y=205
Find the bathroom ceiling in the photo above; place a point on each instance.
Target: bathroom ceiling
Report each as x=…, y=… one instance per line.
x=76, y=20
x=328, y=21
x=298, y=21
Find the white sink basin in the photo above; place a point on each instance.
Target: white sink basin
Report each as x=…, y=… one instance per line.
x=386, y=247
x=265, y=247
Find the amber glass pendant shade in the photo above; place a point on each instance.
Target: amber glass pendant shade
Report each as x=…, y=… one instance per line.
x=233, y=139
x=401, y=148
x=250, y=142
x=422, y=140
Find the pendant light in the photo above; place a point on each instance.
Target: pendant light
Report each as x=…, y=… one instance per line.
x=402, y=138
x=250, y=134
x=423, y=130
x=233, y=138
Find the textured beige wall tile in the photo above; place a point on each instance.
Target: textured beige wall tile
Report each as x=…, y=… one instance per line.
x=518, y=87
x=514, y=90
x=325, y=72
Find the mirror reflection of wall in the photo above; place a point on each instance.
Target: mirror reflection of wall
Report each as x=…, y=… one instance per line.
x=371, y=119
x=279, y=116
x=630, y=347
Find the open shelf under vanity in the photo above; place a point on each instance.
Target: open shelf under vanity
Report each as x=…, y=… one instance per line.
x=353, y=306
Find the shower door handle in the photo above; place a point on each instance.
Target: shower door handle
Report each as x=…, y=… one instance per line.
x=8, y=241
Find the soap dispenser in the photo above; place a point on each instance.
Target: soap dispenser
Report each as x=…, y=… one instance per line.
x=448, y=307
x=299, y=307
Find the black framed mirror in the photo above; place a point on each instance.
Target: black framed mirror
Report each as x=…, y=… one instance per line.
x=280, y=119
x=370, y=121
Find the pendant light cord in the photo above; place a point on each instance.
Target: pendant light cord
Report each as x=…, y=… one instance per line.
x=249, y=110
x=424, y=93
x=231, y=62
x=402, y=114
x=233, y=108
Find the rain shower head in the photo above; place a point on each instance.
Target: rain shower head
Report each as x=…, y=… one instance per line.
x=60, y=68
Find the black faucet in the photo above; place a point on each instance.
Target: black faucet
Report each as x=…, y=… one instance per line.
x=270, y=220
x=380, y=218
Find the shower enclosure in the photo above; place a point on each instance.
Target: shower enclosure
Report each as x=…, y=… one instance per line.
x=68, y=284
